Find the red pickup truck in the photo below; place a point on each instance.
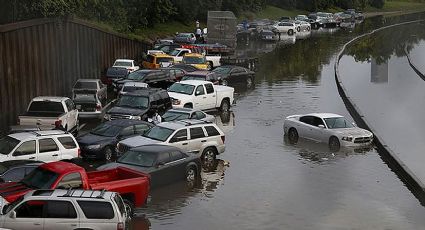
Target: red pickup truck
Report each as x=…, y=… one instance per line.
x=133, y=186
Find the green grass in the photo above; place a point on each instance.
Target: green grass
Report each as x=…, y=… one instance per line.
x=270, y=12
x=392, y=6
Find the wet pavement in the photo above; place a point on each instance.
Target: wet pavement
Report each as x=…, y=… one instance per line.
x=387, y=91
x=264, y=182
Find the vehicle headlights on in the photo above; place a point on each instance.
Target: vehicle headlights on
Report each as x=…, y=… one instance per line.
x=107, y=117
x=177, y=102
x=135, y=118
x=93, y=146
x=347, y=138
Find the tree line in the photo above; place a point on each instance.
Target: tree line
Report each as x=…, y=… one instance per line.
x=127, y=15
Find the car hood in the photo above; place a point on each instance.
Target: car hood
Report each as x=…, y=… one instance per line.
x=180, y=96
x=127, y=111
x=91, y=139
x=134, y=167
x=13, y=190
x=354, y=132
x=138, y=141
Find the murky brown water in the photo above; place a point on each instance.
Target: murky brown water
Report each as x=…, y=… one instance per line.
x=264, y=182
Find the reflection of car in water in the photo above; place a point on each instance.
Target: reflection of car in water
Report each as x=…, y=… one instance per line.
x=319, y=152
x=225, y=121
x=303, y=35
x=213, y=174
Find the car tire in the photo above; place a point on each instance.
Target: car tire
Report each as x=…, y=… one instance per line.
x=108, y=153
x=298, y=29
x=129, y=207
x=225, y=106
x=191, y=174
x=209, y=154
x=334, y=144
x=293, y=135
x=249, y=82
x=308, y=28
x=290, y=32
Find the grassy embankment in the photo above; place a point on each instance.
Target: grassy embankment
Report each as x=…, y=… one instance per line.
x=270, y=12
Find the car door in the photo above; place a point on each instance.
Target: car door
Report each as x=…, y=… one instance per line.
x=211, y=96
x=305, y=127
x=177, y=166
x=197, y=139
x=28, y=216
x=26, y=151
x=200, y=100
x=72, y=115
x=163, y=173
x=60, y=215
x=48, y=150
x=318, y=130
x=180, y=140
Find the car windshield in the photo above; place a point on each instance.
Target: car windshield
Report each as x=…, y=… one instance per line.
x=174, y=116
x=123, y=63
x=115, y=71
x=106, y=130
x=46, y=106
x=337, y=123
x=142, y=159
x=138, y=102
x=85, y=85
x=181, y=88
x=7, y=144
x=193, y=60
x=159, y=133
x=222, y=70
x=40, y=178
x=137, y=75
x=174, y=52
x=194, y=77
x=129, y=89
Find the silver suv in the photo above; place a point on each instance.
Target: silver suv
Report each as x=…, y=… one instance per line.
x=66, y=209
x=193, y=136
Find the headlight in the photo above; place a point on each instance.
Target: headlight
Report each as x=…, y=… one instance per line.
x=347, y=138
x=176, y=102
x=93, y=146
x=135, y=118
x=107, y=117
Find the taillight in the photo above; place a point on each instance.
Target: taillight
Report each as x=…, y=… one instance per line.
x=223, y=138
x=58, y=123
x=98, y=107
x=120, y=226
x=79, y=152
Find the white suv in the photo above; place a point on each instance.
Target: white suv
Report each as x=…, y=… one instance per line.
x=46, y=146
x=65, y=209
x=193, y=136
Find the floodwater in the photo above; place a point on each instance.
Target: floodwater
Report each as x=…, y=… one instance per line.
x=264, y=182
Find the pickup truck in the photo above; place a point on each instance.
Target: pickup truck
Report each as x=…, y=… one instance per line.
x=51, y=112
x=90, y=97
x=178, y=54
x=201, y=95
x=133, y=186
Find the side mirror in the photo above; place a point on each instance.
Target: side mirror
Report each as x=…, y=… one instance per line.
x=13, y=215
x=321, y=126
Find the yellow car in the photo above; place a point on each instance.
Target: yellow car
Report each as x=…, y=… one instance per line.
x=157, y=60
x=197, y=60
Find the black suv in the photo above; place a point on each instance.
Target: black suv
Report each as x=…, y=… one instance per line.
x=154, y=78
x=140, y=104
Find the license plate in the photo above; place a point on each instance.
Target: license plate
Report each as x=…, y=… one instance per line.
x=268, y=37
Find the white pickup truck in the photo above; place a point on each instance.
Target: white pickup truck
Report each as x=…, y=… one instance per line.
x=178, y=54
x=201, y=95
x=51, y=112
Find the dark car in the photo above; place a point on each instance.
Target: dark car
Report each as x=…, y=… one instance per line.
x=154, y=78
x=101, y=141
x=233, y=74
x=185, y=67
x=113, y=73
x=174, y=73
x=165, y=164
x=16, y=170
x=202, y=75
x=267, y=35
x=140, y=104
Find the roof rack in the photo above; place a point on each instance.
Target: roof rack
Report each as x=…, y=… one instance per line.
x=195, y=122
x=59, y=132
x=71, y=193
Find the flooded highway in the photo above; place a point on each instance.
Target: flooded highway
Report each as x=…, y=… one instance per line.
x=264, y=182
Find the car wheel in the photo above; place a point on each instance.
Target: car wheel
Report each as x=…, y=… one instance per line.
x=108, y=153
x=308, y=28
x=224, y=82
x=190, y=106
x=129, y=207
x=334, y=144
x=249, y=82
x=208, y=155
x=290, y=32
x=225, y=106
x=191, y=174
x=298, y=29
x=293, y=136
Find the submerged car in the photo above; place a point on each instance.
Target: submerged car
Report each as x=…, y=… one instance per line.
x=329, y=128
x=165, y=164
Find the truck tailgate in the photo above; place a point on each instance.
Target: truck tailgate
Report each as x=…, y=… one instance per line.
x=44, y=121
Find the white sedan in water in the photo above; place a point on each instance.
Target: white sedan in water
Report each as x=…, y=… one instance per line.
x=329, y=128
